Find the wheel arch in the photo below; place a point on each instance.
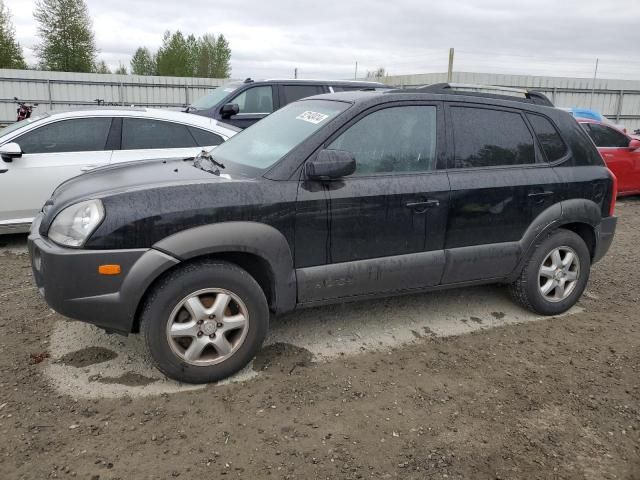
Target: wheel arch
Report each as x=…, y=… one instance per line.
x=582, y=216
x=258, y=248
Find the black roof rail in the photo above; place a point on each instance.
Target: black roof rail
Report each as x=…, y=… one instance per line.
x=490, y=91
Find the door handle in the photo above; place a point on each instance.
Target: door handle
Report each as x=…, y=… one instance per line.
x=4, y=170
x=423, y=205
x=546, y=193
x=86, y=169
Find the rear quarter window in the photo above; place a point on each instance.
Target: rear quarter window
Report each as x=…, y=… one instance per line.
x=550, y=140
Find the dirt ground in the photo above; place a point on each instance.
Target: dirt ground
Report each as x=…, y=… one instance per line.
x=551, y=399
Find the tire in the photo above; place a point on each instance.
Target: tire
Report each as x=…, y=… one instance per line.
x=527, y=290
x=195, y=351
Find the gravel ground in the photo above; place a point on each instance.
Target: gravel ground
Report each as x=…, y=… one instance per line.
x=448, y=385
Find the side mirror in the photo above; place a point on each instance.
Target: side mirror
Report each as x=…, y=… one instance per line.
x=9, y=151
x=634, y=144
x=330, y=164
x=229, y=109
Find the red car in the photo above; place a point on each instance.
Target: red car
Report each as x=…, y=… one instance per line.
x=621, y=153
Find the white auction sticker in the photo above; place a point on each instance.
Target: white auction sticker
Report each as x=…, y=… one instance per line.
x=312, y=117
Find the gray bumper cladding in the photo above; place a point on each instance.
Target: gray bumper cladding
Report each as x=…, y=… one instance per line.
x=71, y=285
x=605, y=233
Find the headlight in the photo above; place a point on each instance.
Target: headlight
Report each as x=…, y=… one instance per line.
x=73, y=225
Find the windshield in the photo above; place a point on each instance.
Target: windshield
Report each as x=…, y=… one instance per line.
x=267, y=141
x=20, y=124
x=212, y=99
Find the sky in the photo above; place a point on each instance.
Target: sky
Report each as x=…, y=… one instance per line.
x=325, y=39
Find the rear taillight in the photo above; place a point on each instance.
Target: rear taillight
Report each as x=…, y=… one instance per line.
x=614, y=193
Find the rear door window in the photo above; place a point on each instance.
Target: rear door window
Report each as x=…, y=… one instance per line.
x=489, y=138
x=143, y=133
x=255, y=100
x=291, y=93
x=550, y=141
x=75, y=135
x=606, y=137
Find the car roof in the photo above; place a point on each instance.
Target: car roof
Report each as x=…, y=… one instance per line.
x=373, y=96
x=138, y=112
x=314, y=81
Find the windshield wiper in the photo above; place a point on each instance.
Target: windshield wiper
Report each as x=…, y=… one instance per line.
x=204, y=161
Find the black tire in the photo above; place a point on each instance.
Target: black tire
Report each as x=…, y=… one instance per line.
x=177, y=285
x=526, y=289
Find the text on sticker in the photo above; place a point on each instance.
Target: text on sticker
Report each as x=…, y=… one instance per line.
x=312, y=117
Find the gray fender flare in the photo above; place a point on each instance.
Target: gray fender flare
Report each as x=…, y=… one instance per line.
x=255, y=238
x=577, y=210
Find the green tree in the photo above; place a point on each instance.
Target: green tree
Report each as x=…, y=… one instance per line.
x=143, y=63
x=66, y=37
x=222, y=58
x=174, y=57
x=10, y=51
x=193, y=48
x=101, y=67
x=181, y=56
x=205, y=64
x=121, y=70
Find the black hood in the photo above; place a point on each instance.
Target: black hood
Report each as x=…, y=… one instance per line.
x=129, y=176
x=125, y=177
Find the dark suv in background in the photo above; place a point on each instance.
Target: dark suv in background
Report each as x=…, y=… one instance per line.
x=333, y=198
x=244, y=103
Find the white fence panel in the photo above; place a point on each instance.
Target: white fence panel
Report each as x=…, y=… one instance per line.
x=617, y=99
x=60, y=90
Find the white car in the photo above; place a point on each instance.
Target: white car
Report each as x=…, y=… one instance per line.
x=43, y=151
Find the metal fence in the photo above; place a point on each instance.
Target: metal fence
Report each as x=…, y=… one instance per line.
x=619, y=100
x=59, y=90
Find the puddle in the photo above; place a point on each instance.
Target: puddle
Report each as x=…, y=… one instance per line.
x=87, y=356
x=128, y=379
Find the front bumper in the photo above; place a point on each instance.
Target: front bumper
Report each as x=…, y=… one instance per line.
x=604, y=233
x=71, y=285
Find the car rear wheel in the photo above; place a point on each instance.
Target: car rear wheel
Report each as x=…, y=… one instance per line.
x=555, y=274
x=204, y=322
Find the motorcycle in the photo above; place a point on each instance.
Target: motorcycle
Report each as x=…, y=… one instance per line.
x=24, y=110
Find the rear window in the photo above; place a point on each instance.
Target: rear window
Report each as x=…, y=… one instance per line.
x=552, y=145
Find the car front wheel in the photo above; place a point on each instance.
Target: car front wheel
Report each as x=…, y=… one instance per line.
x=204, y=321
x=555, y=274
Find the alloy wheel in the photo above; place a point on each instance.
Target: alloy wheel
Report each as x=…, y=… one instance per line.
x=208, y=326
x=558, y=274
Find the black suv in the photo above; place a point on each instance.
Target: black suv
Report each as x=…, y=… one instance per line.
x=244, y=103
x=338, y=197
